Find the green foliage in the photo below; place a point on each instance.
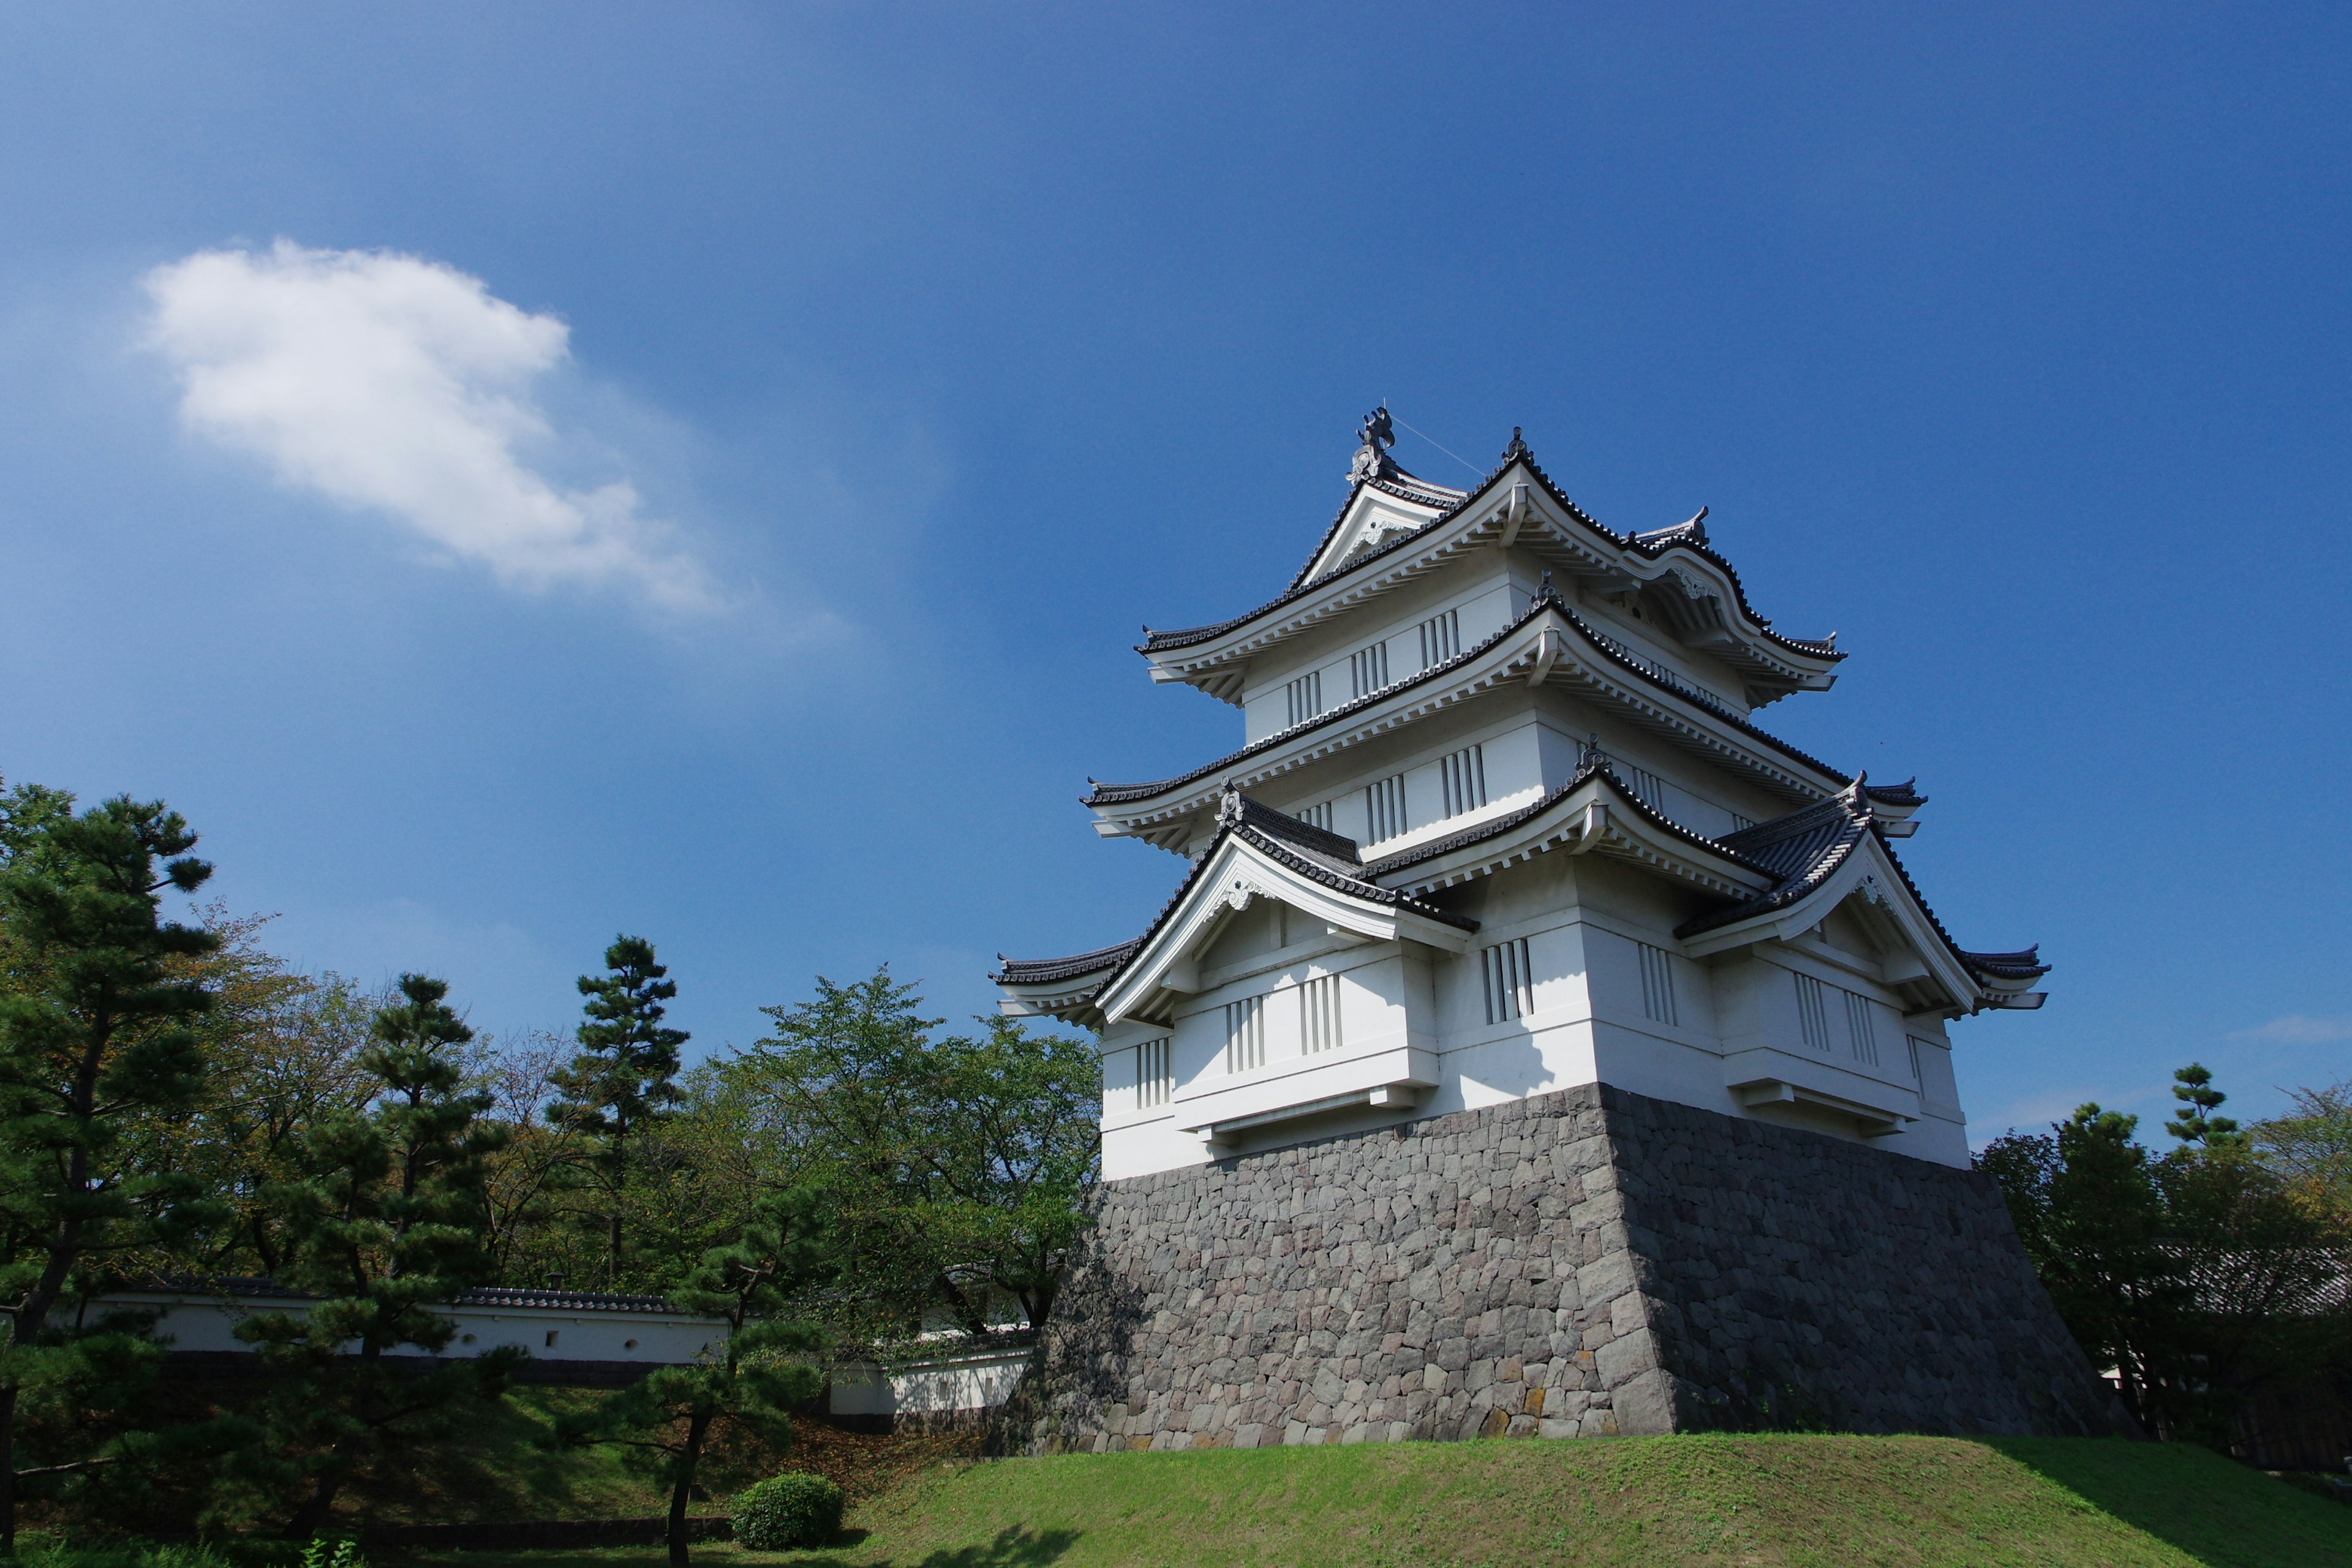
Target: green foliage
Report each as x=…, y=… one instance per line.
x=319, y=1553
x=95, y=1031
x=2193, y=1086
x=2200, y=1276
x=955, y=1170
x=384, y=1221
x=795, y=1509
x=667, y=1421
x=2311, y=1147
x=625, y=1076
x=37, y=1548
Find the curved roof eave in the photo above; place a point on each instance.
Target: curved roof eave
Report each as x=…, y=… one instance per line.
x=1661, y=545
x=1104, y=795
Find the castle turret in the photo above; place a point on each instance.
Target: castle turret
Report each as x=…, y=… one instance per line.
x=1504, y=823
x=1534, y=1044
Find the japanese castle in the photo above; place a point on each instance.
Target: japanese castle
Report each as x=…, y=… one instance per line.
x=1505, y=824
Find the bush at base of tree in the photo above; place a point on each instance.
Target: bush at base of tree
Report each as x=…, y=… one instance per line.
x=795, y=1509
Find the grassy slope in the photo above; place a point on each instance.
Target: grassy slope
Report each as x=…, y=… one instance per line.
x=1728, y=1501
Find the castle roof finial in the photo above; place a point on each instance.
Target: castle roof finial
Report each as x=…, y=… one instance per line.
x=1518, y=446
x=1378, y=434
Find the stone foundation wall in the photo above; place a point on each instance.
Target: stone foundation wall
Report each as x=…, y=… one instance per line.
x=1582, y=1263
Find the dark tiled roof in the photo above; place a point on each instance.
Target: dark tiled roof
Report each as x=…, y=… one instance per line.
x=1803, y=850
x=256, y=1288
x=1421, y=854
x=1321, y=856
x=1806, y=848
x=563, y=1300
x=1052, y=971
x=1905, y=793
x=1337, y=846
x=1691, y=536
x=1120, y=794
x=2025, y=965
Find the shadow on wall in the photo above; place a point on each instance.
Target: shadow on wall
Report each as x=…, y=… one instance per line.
x=2215, y=1510
x=1015, y=1546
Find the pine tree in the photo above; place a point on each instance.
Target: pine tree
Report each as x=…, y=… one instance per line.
x=93, y=1031
x=387, y=1223
x=2193, y=1086
x=624, y=1077
x=668, y=1422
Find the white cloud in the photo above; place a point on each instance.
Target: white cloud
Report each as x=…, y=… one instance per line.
x=399, y=385
x=2299, y=1029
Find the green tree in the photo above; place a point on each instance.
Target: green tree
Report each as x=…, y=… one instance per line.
x=2199, y=1275
x=94, y=1032
x=668, y=1422
x=956, y=1170
x=625, y=1076
x=2310, y=1148
x=386, y=1223
x=2193, y=1086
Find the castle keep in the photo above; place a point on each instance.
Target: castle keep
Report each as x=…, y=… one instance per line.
x=1535, y=1044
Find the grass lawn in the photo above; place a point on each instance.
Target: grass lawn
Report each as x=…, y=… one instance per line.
x=1770, y=1500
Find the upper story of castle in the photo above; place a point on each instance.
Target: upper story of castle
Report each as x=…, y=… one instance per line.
x=1443, y=654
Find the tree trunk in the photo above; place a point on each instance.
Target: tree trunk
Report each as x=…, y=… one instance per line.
x=615, y=1265
x=8, y=1471
x=698, y=1425
x=318, y=1509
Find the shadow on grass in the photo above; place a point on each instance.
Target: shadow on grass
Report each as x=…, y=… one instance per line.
x=1015, y=1546
x=2215, y=1509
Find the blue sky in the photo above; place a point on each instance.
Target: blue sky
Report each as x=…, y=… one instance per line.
x=809, y=405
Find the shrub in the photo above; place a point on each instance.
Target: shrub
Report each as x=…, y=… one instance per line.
x=795, y=1509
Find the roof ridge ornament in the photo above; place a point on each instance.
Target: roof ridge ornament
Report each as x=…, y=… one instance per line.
x=1378, y=434
x=1517, y=448
x=1229, y=805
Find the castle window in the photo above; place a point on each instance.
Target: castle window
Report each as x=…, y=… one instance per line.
x=1245, y=1034
x=1318, y=1015
x=1812, y=1013
x=1305, y=696
x=1441, y=638
x=1738, y=821
x=1916, y=1042
x=1649, y=789
x=1510, y=985
x=1384, y=809
x=1368, y=669
x=1465, y=773
x=1658, y=985
x=1319, y=815
x=1862, y=1028
x=1155, y=1073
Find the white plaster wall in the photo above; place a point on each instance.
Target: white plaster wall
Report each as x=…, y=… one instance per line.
x=953, y=1384
x=198, y=1322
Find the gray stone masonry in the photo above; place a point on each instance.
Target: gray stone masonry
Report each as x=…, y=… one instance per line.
x=1578, y=1264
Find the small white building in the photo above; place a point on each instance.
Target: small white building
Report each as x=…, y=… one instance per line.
x=1504, y=821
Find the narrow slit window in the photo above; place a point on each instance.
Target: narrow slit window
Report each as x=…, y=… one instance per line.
x=1510, y=985
x=1915, y=1042
x=1318, y=1015
x=1318, y=816
x=1812, y=1013
x=1649, y=789
x=1384, y=809
x=1304, y=697
x=1861, y=1028
x=1658, y=985
x=1245, y=1034
x=1368, y=669
x=1464, y=776
x=1738, y=821
x=1441, y=638
x=1155, y=1076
